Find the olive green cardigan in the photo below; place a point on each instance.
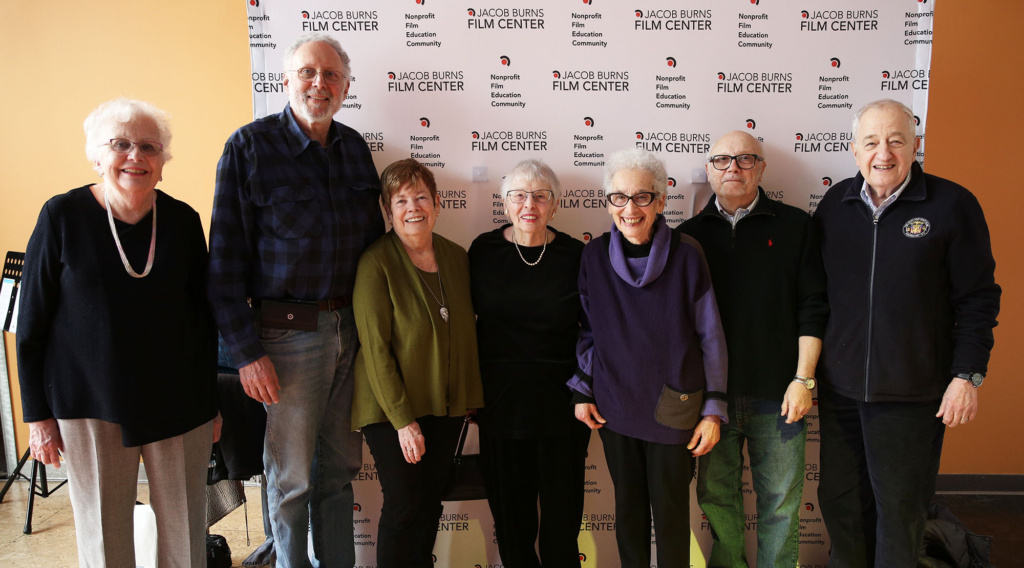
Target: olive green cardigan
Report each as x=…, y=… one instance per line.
x=411, y=363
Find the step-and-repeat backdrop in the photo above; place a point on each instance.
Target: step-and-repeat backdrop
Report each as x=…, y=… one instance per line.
x=472, y=88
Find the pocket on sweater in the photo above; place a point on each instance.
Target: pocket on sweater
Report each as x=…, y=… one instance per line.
x=679, y=410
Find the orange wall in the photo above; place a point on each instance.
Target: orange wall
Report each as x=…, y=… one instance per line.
x=190, y=57
x=974, y=107
x=62, y=58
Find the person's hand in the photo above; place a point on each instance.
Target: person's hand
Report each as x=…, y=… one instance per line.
x=45, y=442
x=586, y=412
x=413, y=444
x=796, y=403
x=218, y=424
x=471, y=415
x=259, y=379
x=959, y=404
x=705, y=435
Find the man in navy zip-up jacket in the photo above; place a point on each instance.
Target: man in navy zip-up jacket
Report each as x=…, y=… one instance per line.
x=913, y=301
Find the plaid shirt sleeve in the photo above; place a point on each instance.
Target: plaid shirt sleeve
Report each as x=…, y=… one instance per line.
x=231, y=257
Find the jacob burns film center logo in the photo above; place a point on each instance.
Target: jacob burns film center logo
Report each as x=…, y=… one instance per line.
x=905, y=79
x=340, y=21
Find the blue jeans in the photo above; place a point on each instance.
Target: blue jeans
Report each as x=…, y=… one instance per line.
x=310, y=452
x=776, y=451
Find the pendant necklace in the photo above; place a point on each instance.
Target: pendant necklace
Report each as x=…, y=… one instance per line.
x=117, y=240
x=542, y=250
x=444, y=310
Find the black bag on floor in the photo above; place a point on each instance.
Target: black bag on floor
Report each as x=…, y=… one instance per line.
x=948, y=543
x=218, y=554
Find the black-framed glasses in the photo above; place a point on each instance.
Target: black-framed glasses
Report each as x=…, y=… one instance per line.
x=308, y=74
x=641, y=199
x=123, y=146
x=744, y=161
x=518, y=196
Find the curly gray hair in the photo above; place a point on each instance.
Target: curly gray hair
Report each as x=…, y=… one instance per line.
x=122, y=110
x=637, y=159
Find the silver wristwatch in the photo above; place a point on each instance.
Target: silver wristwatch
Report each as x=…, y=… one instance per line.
x=808, y=382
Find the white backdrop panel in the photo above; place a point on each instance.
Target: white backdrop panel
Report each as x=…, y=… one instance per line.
x=472, y=88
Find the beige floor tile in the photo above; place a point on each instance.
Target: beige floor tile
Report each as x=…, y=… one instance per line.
x=52, y=542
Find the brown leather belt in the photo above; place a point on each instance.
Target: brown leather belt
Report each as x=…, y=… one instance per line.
x=334, y=303
x=324, y=305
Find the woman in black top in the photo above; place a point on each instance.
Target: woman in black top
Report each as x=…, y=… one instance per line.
x=525, y=295
x=116, y=346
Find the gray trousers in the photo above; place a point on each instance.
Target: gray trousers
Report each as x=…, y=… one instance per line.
x=103, y=481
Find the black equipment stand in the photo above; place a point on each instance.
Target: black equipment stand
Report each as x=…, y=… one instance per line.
x=39, y=486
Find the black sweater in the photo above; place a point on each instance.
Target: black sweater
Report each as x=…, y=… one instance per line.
x=94, y=342
x=770, y=287
x=527, y=322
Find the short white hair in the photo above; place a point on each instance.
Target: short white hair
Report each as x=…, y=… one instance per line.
x=637, y=159
x=122, y=110
x=885, y=104
x=531, y=170
x=317, y=36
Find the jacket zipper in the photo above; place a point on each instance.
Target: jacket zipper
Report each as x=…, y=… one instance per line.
x=732, y=235
x=871, y=304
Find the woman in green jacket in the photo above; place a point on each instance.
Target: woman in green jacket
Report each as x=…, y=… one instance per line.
x=417, y=372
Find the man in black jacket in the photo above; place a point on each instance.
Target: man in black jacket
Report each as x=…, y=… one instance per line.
x=766, y=270
x=913, y=302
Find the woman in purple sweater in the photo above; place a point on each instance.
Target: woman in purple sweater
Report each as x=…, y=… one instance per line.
x=652, y=360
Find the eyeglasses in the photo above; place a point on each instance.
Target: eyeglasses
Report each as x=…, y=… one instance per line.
x=123, y=146
x=308, y=74
x=642, y=199
x=518, y=196
x=744, y=161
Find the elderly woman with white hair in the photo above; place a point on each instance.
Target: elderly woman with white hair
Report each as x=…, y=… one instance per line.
x=116, y=345
x=651, y=357
x=523, y=277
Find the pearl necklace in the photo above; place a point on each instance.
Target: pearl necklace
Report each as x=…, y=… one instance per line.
x=542, y=250
x=117, y=240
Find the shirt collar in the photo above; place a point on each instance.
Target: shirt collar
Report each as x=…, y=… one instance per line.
x=298, y=140
x=741, y=212
x=865, y=195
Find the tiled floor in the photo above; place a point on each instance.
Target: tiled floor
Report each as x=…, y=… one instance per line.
x=52, y=542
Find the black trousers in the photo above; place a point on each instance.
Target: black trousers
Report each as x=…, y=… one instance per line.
x=650, y=478
x=879, y=466
x=518, y=472
x=412, y=492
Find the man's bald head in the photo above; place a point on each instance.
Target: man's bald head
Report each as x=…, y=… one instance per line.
x=735, y=186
